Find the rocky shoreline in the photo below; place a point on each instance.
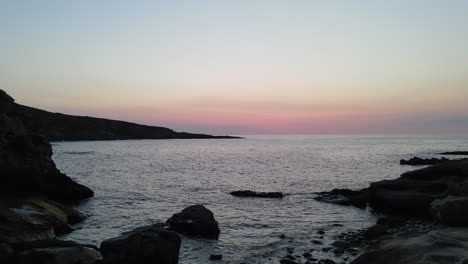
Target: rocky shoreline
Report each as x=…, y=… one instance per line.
x=426, y=219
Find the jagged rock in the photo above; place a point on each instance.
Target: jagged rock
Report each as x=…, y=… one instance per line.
x=144, y=245
x=451, y=211
x=249, y=193
x=195, y=220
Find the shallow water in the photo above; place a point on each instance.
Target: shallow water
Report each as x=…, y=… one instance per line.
x=141, y=182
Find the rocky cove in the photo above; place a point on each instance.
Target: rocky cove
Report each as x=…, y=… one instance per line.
x=417, y=208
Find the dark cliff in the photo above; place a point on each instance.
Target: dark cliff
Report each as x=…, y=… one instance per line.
x=61, y=127
x=26, y=165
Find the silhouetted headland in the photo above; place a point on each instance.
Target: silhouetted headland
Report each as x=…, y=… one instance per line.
x=62, y=127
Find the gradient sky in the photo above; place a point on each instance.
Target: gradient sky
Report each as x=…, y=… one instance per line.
x=243, y=67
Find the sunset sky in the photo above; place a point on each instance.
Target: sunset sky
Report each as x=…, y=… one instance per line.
x=243, y=67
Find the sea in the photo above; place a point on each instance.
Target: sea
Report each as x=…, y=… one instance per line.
x=143, y=182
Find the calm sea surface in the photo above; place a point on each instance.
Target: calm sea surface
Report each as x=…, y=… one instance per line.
x=141, y=182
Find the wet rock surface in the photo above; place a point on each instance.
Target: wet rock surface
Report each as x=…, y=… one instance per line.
x=195, y=220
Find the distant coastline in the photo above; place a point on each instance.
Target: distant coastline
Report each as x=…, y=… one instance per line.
x=63, y=127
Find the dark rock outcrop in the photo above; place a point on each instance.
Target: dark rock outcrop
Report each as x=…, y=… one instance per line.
x=26, y=165
x=416, y=161
x=414, y=191
x=31, y=187
x=451, y=211
x=144, y=245
x=195, y=220
x=50, y=252
x=455, y=153
x=345, y=197
x=249, y=193
x=62, y=127
x=410, y=194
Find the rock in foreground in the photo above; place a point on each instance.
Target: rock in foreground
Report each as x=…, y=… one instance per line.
x=145, y=245
x=195, y=220
x=249, y=193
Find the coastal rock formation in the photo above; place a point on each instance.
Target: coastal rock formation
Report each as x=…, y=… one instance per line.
x=144, y=245
x=26, y=166
x=410, y=194
x=409, y=234
x=449, y=245
x=32, y=189
x=49, y=252
x=249, y=193
x=195, y=220
x=416, y=161
x=414, y=191
x=451, y=211
x=61, y=127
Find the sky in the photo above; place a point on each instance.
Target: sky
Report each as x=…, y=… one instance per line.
x=243, y=67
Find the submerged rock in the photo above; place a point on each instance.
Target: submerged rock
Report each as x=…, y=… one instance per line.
x=144, y=245
x=195, y=220
x=249, y=193
x=451, y=211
